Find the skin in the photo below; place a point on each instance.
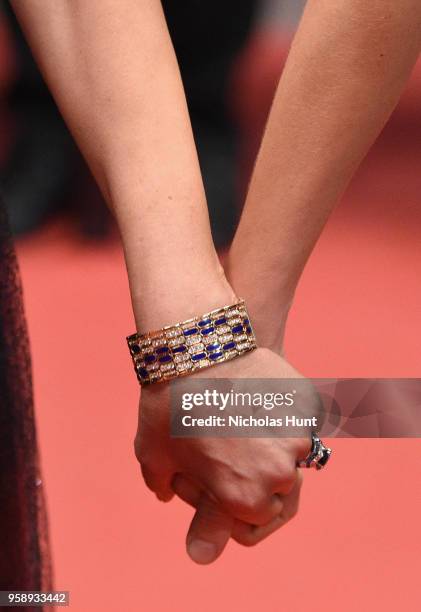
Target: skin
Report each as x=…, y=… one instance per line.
x=348, y=64
x=112, y=70
x=241, y=486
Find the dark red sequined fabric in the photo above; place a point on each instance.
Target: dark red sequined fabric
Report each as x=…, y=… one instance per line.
x=24, y=551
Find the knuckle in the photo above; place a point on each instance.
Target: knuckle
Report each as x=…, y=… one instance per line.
x=150, y=477
x=147, y=477
x=142, y=454
x=291, y=512
x=302, y=447
x=246, y=535
x=248, y=539
x=247, y=502
x=287, y=478
x=137, y=449
x=298, y=448
x=252, y=536
x=299, y=480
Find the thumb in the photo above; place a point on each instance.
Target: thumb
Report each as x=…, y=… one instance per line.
x=209, y=532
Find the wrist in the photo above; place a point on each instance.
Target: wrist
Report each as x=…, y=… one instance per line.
x=269, y=320
x=180, y=298
x=268, y=302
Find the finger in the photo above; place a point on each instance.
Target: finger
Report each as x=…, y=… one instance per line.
x=263, y=513
x=256, y=507
x=209, y=531
x=190, y=493
x=250, y=535
x=186, y=490
x=303, y=448
x=159, y=482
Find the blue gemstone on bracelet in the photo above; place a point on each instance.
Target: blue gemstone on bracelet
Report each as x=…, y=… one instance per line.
x=204, y=322
x=149, y=358
x=165, y=359
x=237, y=329
x=179, y=349
x=215, y=356
x=190, y=332
x=135, y=348
x=213, y=347
x=198, y=356
x=143, y=372
x=162, y=349
x=246, y=321
x=221, y=321
x=248, y=329
x=229, y=346
x=207, y=331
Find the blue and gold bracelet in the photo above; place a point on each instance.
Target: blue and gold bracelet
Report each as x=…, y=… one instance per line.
x=183, y=348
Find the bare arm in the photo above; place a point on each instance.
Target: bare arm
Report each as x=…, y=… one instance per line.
x=348, y=64
x=113, y=72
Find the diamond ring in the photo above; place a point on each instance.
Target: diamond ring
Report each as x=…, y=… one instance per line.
x=318, y=456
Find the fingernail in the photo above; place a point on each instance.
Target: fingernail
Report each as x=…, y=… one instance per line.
x=201, y=551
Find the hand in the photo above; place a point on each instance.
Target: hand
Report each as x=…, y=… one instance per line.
x=242, y=487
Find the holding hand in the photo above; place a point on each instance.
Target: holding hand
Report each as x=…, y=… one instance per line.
x=241, y=487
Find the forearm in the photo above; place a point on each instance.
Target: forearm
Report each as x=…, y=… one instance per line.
x=112, y=69
x=344, y=75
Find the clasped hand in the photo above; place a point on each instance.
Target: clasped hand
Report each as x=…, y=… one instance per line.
x=244, y=488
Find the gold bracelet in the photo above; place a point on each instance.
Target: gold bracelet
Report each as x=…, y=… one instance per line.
x=200, y=342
